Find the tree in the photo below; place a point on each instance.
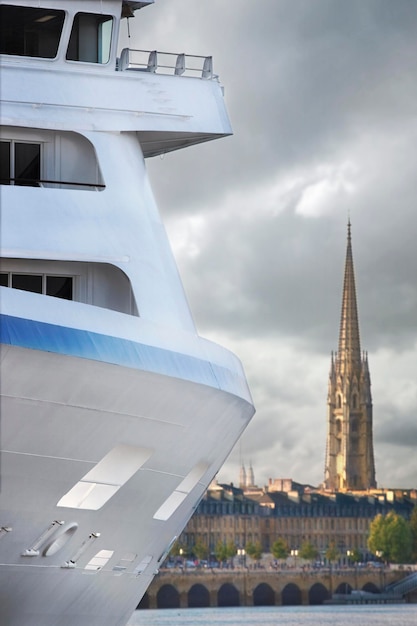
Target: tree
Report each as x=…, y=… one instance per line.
x=377, y=542
x=307, y=551
x=200, y=550
x=254, y=550
x=220, y=551
x=178, y=549
x=413, y=528
x=279, y=549
x=355, y=556
x=332, y=553
x=231, y=550
x=390, y=537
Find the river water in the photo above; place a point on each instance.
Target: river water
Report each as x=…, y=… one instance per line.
x=357, y=615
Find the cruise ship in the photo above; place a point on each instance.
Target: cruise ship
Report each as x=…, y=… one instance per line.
x=115, y=414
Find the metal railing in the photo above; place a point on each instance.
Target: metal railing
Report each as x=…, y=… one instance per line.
x=166, y=63
x=43, y=182
x=406, y=585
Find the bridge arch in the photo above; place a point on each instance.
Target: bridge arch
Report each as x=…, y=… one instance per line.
x=263, y=595
x=291, y=595
x=198, y=596
x=344, y=588
x=168, y=597
x=228, y=595
x=371, y=588
x=318, y=594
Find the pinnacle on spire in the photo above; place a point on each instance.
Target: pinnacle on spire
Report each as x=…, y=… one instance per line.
x=349, y=351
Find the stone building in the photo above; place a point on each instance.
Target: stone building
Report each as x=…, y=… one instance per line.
x=228, y=514
x=349, y=448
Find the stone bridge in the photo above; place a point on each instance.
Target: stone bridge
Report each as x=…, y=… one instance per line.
x=211, y=588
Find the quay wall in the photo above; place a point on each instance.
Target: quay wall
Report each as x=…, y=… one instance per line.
x=244, y=587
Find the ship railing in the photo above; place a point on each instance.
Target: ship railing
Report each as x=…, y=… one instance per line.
x=166, y=63
x=52, y=184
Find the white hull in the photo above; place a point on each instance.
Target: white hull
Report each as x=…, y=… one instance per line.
x=115, y=414
x=50, y=441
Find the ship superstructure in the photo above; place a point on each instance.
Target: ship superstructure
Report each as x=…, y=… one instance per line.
x=115, y=414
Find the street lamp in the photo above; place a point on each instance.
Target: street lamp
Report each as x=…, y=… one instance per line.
x=351, y=553
x=380, y=554
x=294, y=554
x=241, y=554
x=182, y=557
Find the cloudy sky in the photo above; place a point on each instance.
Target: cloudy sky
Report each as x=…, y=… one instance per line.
x=322, y=97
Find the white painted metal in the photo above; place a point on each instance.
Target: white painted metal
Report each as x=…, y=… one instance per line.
x=115, y=414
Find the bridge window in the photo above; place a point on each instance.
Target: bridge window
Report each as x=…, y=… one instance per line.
x=30, y=32
x=20, y=163
x=98, y=284
x=39, y=158
x=57, y=286
x=90, y=38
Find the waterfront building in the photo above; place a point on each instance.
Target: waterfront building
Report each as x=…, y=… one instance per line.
x=228, y=514
x=349, y=448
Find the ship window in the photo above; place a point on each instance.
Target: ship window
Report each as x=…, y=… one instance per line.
x=90, y=38
x=176, y=498
x=56, y=286
x=105, y=478
x=27, y=282
x=99, y=560
x=20, y=163
x=59, y=287
x=30, y=32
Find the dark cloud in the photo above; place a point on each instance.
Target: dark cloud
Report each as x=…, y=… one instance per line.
x=322, y=98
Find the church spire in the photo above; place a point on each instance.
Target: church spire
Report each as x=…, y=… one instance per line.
x=349, y=446
x=349, y=353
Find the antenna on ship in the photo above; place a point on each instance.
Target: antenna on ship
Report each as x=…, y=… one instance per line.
x=127, y=12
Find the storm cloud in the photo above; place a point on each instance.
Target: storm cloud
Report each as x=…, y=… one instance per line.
x=322, y=99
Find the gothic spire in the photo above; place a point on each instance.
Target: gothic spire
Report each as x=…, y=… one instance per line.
x=349, y=353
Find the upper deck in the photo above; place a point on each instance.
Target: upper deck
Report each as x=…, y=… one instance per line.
x=62, y=68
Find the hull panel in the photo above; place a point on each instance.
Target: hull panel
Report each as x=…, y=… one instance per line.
x=56, y=430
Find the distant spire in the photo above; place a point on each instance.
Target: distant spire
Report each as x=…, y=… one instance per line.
x=250, y=479
x=349, y=342
x=242, y=477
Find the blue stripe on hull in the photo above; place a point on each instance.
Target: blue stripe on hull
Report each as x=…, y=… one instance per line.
x=37, y=335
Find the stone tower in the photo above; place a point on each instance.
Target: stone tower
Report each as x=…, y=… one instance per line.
x=349, y=449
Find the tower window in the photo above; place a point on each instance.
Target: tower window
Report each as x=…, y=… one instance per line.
x=339, y=401
x=20, y=163
x=354, y=401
